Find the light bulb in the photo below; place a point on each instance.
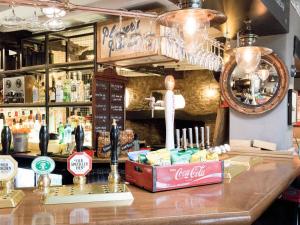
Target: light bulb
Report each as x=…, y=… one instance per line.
x=247, y=58
x=210, y=92
x=190, y=26
x=194, y=33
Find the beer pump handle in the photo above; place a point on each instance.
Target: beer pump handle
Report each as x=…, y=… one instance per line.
x=197, y=137
x=114, y=138
x=191, y=137
x=44, y=138
x=79, y=138
x=178, y=138
x=5, y=140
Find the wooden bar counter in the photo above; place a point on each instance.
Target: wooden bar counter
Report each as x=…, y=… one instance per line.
x=238, y=201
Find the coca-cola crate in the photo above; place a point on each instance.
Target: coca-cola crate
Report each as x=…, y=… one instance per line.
x=162, y=178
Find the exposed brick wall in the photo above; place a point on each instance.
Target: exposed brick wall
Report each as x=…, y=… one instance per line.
x=193, y=86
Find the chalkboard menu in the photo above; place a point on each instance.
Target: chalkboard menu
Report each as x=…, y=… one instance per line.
x=108, y=100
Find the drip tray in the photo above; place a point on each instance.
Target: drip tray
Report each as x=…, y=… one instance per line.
x=87, y=193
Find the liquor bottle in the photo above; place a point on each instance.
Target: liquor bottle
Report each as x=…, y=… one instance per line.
x=59, y=92
x=23, y=116
x=35, y=91
x=87, y=133
x=16, y=118
x=5, y=139
x=80, y=87
x=30, y=117
x=67, y=89
x=42, y=92
x=73, y=88
x=52, y=91
x=61, y=130
x=68, y=134
x=43, y=137
x=2, y=122
x=9, y=119
x=30, y=120
x=37, y=125
x=87, y=91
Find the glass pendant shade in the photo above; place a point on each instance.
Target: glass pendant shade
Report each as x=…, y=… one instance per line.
x=194, y=33
x=263, y=74
x=247, y=58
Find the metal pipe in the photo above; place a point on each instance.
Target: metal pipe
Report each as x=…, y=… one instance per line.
x=73, y=7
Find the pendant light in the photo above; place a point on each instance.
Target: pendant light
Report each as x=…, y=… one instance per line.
x=247, y=55
x=191, y=22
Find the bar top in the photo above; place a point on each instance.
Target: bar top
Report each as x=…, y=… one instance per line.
x=238, y=201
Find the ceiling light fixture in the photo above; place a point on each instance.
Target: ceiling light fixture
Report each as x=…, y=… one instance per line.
x=188, y=29
x=192, y=22
x=248, y=55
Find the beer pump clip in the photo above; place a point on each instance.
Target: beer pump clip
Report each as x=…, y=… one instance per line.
x=43, y=165
x=79, y=164
x=9, y=197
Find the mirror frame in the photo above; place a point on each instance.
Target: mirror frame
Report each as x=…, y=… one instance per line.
x=259, y=109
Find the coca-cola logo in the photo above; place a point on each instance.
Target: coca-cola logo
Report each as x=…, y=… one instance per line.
x=195, y=172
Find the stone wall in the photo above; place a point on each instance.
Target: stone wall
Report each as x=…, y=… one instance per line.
x=199, y=88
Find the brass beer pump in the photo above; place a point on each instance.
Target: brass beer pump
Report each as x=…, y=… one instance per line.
x=8, y=169
x=79, y=164
x=79, y=139
x=114, y=177
x=44, y=180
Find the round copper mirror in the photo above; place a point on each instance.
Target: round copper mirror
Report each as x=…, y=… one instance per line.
x=257, y=92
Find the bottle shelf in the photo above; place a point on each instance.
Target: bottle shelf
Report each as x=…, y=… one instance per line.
x=42, y=68
x=22, y=105
x=28, y=69
x=69, y=104
x=41, y=105
x=73, y=65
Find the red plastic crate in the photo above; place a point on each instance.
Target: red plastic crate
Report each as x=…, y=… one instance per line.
x=162, y=178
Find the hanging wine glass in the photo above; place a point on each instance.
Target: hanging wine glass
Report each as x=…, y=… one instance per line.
x=33, y=23
x=12, y=21
x=120, y=37
x=135, y=41
x=55, y=24
x=150, y=39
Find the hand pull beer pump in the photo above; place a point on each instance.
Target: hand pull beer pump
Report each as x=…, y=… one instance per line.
x=79, y=164
x=8, y=169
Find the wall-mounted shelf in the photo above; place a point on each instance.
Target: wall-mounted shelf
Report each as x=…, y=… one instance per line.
x=69, y=104
x=73, y=65
x=22, y=105
x=24, y=70
x=82, y=64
